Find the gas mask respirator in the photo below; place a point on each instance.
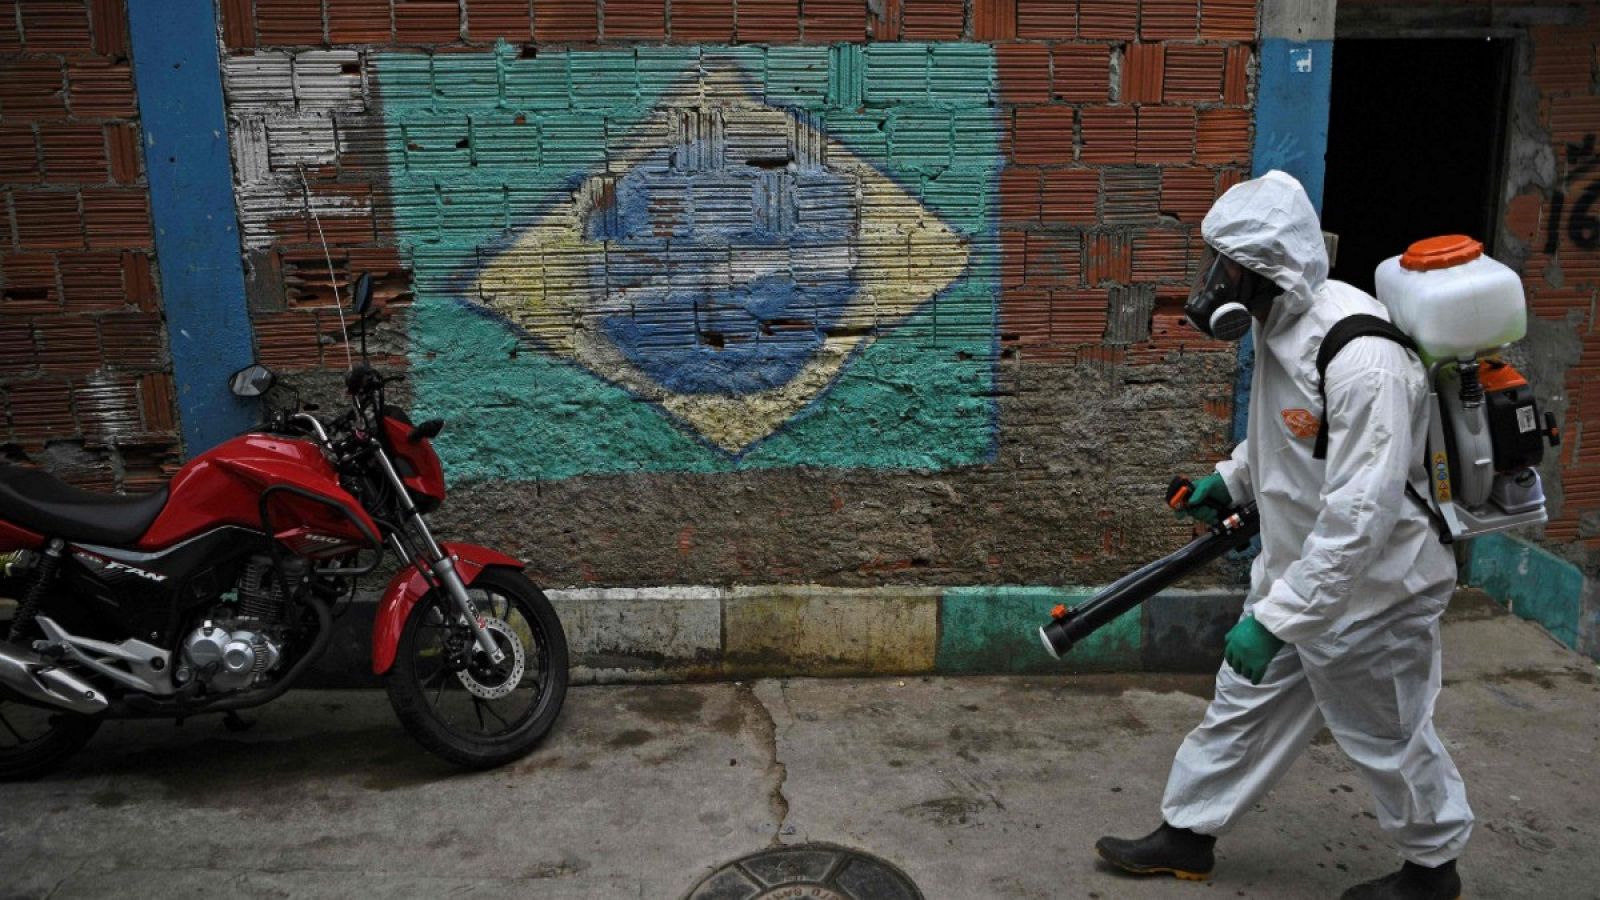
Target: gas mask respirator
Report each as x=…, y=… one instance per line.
x=1227, y=296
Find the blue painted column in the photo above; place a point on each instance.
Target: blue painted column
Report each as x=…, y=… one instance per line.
x=191, y=202
x=1293, y=91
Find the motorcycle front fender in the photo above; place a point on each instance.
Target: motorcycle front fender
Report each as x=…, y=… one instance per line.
x=408, y=586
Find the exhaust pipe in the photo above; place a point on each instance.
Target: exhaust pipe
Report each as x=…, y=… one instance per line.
x=1069, y=626
x=29, y=677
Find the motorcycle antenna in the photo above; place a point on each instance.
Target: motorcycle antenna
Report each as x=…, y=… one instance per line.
x=338, y=303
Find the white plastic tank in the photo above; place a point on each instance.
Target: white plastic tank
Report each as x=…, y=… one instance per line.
x=1454, y=301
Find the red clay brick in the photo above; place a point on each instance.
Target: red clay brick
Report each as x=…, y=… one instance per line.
x=427, y=21
x=67, y=345
x=1106, y=258
x=1166, y=134
x=1114, y=20
x=10, y=34
x=289, y=341
x=1047, y=19
x=1019, y=194
x=122, y=143
x=491, y=19
x=565, y=22
x=109, y=21
x=238, y=24
x=156, y=402
x=1109, y=134
x=132, y=340
x=883, y=20
x=1228, y=20
x=55, y=26
x=73, y=152
x=1042, y=135
x=1013, y=252
x=116, y=218
x=101, y=89
x=34, y=89
x=635, y=20
x=1222, y=136
x=16, y=346
x=768, y=21
x=1187, y=194
x=1132, y=196
x=994, y=20
x=1024, y=73
x=29, y=283
x=289, y=22
x=1235, y=77
x=47, y=220
x=19, y=155
x=368, y=21
x=1168, y=20
x=1161, y=255
x=1052, y=261
x=701, y=21
x=40, y=409
x=107, y=406
x=91, y=281
x=1142, y=66
x=1082, y=73
x=933, y=20
x=1069, y=197
x=1194, y=74
x=828, y=21
x=138, y=281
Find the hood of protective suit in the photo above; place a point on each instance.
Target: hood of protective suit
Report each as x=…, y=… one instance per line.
x=1268, y=225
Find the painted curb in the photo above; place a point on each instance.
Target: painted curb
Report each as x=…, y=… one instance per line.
x=698, y=633
x=1539, y=586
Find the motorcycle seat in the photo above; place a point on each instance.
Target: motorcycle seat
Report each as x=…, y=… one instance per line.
x=39, y=501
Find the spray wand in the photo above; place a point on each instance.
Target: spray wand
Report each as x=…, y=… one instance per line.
x=1233, y=530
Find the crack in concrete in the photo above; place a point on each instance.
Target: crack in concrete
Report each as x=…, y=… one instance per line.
x=766, y=731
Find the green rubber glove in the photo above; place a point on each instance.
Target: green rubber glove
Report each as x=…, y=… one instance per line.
x=1250, y=646
x=1211, y=487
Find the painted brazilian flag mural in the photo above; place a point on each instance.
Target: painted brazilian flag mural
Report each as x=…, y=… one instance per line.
x=699, y=259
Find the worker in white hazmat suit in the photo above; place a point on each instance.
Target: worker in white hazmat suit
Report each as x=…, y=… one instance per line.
x=1341, y=622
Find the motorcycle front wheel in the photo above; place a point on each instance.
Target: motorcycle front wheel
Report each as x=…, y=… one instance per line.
x=456, y=702
x=33, y=739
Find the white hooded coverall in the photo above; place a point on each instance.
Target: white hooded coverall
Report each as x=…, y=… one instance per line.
x=1351, y=573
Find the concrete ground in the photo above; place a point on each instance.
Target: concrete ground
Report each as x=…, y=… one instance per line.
x=976, y=787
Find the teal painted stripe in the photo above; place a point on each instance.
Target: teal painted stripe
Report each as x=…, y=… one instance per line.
x=996, y=629
x=1530, y=581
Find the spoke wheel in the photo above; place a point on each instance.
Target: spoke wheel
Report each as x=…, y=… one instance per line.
x=455, y=700
x=35, y=739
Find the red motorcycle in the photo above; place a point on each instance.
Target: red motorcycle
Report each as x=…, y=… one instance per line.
x=216, y=593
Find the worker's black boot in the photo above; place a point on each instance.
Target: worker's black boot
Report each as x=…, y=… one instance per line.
x=1412, y=882
x=1165, y=851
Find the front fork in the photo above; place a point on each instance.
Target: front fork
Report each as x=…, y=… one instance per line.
x=440, y=565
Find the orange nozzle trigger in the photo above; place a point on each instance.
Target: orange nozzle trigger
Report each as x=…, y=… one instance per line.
x=1181, y=497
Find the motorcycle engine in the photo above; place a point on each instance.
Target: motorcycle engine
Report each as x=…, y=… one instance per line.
x=239, y=645
x=226, y=656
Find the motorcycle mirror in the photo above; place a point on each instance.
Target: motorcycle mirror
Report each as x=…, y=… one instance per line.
x=252, y=381
x=361, y=296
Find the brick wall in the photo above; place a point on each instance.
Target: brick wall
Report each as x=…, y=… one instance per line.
x=902, y=278
x=85, y=385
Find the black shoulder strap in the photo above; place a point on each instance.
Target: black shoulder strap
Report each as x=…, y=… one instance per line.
x=1343, y=332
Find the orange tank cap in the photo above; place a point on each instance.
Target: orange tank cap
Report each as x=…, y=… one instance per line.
x=1498, y=376
x=1440, y=253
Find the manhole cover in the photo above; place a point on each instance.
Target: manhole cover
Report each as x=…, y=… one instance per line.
x=807, y=872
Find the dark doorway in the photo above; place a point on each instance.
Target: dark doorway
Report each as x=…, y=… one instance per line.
x=1416, y=137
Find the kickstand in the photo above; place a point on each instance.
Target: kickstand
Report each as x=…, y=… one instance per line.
x=236, y=723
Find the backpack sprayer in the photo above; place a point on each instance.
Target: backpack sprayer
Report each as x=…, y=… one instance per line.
x=1457, y=309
